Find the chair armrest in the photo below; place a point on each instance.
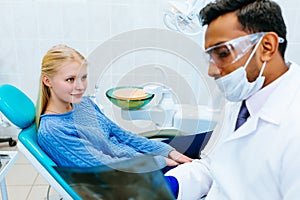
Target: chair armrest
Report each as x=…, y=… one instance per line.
x=164, y=133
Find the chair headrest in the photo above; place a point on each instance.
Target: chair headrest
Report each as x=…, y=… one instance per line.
x=16, y=106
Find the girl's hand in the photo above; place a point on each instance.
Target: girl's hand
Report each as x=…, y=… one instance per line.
x=179, y=157
x=171, y=162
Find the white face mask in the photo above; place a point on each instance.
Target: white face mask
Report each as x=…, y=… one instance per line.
x=236, y=86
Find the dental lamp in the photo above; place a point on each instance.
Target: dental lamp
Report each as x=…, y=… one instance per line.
x=183, y=16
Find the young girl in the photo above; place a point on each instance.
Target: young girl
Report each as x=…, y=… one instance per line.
x=71, y=128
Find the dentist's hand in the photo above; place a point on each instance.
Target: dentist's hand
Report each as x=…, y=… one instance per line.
x=177, y=158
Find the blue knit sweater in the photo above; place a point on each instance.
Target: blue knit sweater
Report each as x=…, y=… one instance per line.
x=85, y=137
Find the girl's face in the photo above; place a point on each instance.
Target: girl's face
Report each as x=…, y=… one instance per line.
x=68, y=84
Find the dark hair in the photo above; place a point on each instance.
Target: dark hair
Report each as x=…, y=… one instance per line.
x=254, y=16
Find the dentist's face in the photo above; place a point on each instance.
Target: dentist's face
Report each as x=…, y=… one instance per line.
x=223, y=29
x=69, y=83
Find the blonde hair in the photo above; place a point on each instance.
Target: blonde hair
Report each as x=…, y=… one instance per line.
x=51, y=63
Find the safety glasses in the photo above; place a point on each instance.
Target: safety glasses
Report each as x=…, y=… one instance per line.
x=229, y=52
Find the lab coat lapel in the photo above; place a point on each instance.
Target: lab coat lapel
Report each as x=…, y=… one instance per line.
x=247, y=128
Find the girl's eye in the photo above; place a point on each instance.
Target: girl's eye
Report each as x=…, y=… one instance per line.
x=70, y=80
x=84, y=77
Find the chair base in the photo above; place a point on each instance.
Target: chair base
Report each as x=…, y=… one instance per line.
x=10, y=141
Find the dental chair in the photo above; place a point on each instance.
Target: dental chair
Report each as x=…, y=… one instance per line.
x=20, y=110
x=5, y=124
x=10, y=140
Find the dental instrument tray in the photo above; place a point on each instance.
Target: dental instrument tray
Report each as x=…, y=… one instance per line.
x=129, y=97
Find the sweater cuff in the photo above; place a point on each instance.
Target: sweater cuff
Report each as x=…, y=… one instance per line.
x=160, y=162
x=165, y=151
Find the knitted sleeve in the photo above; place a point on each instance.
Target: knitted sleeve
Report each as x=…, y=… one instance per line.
x=139, y=143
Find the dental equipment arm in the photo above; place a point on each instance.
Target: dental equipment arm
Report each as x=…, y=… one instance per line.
x=183, y=16
x=162, y=114
x=166, y=103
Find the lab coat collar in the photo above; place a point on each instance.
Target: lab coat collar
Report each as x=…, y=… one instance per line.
x=285, y=91
x=257, y=101
x=281, y=98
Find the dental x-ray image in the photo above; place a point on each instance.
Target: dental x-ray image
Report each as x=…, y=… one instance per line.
x=134, y=179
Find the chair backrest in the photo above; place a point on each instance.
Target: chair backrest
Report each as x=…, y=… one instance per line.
x=16, y=106
x=20, y=110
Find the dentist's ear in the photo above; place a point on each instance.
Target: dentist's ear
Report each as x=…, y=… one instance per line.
x=270, y=43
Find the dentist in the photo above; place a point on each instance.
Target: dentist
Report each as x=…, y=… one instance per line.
x=245, y=42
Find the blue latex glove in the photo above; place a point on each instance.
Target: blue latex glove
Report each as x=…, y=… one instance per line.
x=173, y=184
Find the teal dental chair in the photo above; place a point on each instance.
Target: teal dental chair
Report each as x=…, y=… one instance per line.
x=20, y=110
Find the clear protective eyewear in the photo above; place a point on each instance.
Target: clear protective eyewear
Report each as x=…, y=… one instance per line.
x=231, y=51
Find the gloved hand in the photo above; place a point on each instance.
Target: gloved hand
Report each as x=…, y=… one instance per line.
x=173, y=184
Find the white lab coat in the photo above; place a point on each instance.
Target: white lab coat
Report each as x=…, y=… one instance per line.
x=260, y=161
